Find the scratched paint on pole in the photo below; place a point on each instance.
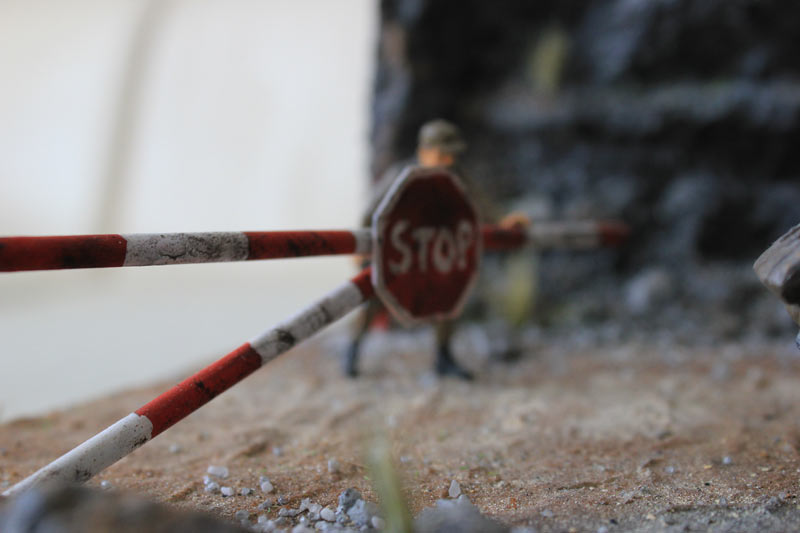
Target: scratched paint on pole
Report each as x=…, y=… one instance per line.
x=428, y=246
x=57, y=253
x=102, y=251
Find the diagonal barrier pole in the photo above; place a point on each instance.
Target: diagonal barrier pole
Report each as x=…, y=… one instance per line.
x=144, y=249
x=144, y=424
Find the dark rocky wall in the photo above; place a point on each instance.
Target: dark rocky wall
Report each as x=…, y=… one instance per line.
x=681, y=117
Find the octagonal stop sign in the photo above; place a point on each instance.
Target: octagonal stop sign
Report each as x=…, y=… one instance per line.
x=427, y=248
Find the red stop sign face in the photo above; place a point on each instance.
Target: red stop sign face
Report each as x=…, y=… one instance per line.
x=427, y=246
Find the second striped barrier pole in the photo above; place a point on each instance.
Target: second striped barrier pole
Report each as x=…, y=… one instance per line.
x=118, y=440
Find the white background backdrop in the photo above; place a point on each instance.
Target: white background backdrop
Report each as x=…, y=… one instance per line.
x=123, y=117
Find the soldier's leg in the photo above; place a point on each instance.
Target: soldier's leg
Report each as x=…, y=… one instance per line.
x=445, y=364
x=362, y=326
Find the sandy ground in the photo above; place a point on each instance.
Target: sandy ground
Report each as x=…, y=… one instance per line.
x=625, y=437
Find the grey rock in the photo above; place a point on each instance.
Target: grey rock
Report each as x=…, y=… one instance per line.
x=455, y=515
x=334, y=466
x=455, y=489
x=347, y=498
x=266, y=504
x=327, y=514
x=773, y=504
x=361, y=512
x=218, y=471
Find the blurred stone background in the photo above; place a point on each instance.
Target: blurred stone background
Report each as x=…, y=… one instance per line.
x=680, y=117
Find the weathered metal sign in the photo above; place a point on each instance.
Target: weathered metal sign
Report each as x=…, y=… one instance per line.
x=427, y=246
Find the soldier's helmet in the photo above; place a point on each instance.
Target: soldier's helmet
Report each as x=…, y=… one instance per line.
x=442, y=135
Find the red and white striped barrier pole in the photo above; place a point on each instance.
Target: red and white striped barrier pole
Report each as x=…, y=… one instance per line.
x=129, y=433
x=98, y=251
x=577, y=234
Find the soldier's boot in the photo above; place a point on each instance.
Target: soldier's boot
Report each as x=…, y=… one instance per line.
x=447, y=366
x=351, y=360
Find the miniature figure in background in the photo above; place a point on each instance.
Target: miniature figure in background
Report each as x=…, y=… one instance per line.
x=439, y=145
x=779, y=269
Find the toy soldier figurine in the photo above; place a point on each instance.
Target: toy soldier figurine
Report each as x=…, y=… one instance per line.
x=779, y=269
x=439, y=145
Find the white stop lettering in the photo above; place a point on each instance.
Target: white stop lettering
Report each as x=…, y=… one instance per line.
x=436, y=246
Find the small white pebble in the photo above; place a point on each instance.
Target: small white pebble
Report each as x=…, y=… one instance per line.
x=727, y=460
x=327, y=514
x=262, y=518
x=206, y=480
x=334, y=466
x=277, y=451
x=314, y=508
x=245, y=491
x=455, y=489
x=378, y=522
x=212, y=487
x=241, y=515
x=175, y=448
x=547, y=513
x=105, y=484
x=226, y=491
x=267, y=487
x=218, y=471
x=602, y=529
x=670, y=470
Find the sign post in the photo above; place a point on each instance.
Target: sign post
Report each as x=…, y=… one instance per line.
x=427, y=246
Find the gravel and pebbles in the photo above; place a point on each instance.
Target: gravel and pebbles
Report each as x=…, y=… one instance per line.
x=352, y=514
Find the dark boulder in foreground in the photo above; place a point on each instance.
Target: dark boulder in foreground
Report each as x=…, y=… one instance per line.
x=79, y=509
